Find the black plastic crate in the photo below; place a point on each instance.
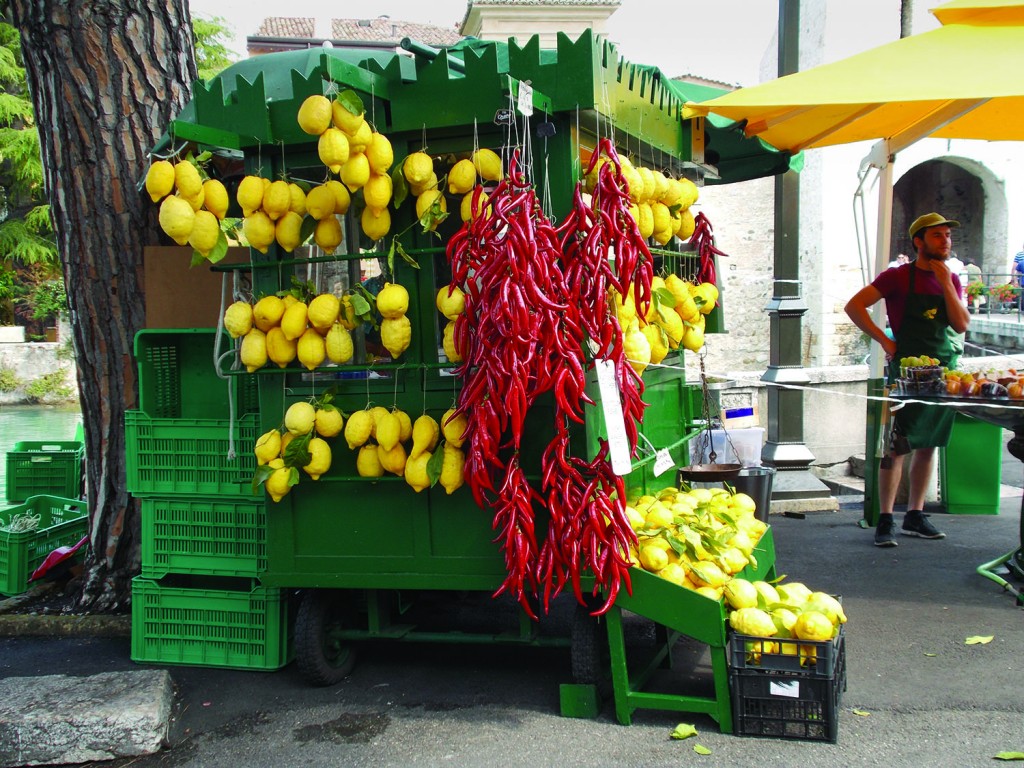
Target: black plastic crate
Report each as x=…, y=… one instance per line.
x=799, y=704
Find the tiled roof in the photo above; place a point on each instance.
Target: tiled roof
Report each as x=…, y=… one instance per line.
x=381, y=29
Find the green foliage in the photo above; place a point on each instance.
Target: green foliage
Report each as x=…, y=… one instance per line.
x=210, y=37
x=9, y=380
x=49, y=387
x=49, y=300
x=19, y=243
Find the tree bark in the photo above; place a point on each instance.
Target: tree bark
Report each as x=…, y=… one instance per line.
x=106, y=77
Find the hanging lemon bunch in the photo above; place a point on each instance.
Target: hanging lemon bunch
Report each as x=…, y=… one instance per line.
x=192, y=205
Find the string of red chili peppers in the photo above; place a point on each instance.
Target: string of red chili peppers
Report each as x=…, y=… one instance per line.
x=703, y=241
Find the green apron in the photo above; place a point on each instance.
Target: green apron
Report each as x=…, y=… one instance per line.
x=923, y=332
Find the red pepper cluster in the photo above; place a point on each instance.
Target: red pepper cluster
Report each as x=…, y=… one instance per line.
x=534, y=297
x=703, y=241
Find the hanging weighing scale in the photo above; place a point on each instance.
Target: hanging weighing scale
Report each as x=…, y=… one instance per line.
x=710, y=472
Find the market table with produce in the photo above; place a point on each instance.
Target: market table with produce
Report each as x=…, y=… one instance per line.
x=432, y=373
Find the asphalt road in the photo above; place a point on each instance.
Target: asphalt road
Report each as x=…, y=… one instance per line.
x=921, y=695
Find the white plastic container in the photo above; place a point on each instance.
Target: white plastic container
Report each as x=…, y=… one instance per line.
x=733, y=446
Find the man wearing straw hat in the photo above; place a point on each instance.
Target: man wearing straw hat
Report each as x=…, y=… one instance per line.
x=922, y=301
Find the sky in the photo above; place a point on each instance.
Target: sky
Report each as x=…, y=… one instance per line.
x=638, y=28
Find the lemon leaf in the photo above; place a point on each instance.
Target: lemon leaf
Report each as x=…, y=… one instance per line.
x=293, y=477
x=979, y=640
x=930, y=655
x=435, y=464
x=297, y=452
x=1008, y=756
x=197, y=259
x=350, y=100
x=861, y=712
x=399, y=185
x=700, y=749
x=260, y=476
x=684, y=731
x=307, y=229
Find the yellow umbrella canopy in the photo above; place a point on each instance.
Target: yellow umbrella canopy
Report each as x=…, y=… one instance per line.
x=963, y=80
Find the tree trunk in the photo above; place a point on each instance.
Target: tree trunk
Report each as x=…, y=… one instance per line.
x=106, y=77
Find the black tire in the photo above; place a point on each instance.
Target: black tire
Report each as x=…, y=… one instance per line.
x=322, y=658
x=588, y=649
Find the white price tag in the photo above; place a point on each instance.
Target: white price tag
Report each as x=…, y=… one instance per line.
x=525, y=102
x=614, y=421
x=788, y=688
x=663, y=462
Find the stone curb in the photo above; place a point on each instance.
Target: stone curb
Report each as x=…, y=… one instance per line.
x=29, y=625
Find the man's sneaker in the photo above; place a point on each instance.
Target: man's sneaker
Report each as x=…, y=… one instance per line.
x=916, y=524
x=884, y=536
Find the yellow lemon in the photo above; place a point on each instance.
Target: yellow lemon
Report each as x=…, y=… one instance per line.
x=323, y=311
x=451, y=351
x=462, y=177
x=377, y=190
x=187, y=179
x=258, y=229
x=466, y=209
x=347, y=313
x=388, y=431
x=205, y=232
x=320, y=202
x=425, y=434
x=767, y=591
x=288, y=231
x=268, y=446
x=338, y=344
x=268, y=312
x=328, y=421
x=825, y=603
x=280, y=349
x=215, y=198
x=426, y=201
x=319, y=458
x=652, y=558
x=332, y=148
x=658, y=340
x=452, y=469
x=177, y=218
x=298, y=199
x=693, y=338
x=406, y=432
x=315, y=115
x=813, y=625
x=160, y=179
x=277, y=199
x=375, y=222
x=488, y=164
x=360, y=139
x=356, y=171
x=753, y=621
x=250, y=194
x=392, y=300
x=358, y=429
x=429, y=184
x=238, y=319
x=636, y=348
x=368, y=462
x=311, y=349
x=379, y=153
x=450, y=301
x=328, y=234
x=343, y=119
x=417, y=168
x=793, y=593
x=378, y=412
x=393, y=459
x=253, y=352
x=416, y=472
x=300, y=418
x=396, y=335
x=453, y=427
x=709, y=293
x=342, y=198
x=280, y=482
x=686, y=225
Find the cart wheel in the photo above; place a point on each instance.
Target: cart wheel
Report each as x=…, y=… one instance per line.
x=321, y=657
x=588, y=649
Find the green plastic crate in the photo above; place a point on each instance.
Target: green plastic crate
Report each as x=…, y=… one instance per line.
x=217, y=537
x=240, y=629
x=168, y=457
x=62, y=523
x=177, y=377
x=51, y=468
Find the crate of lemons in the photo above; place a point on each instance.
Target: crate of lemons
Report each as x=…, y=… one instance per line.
x=700, y=539
x=423, y=452
x=298, y=325
x=675, y=318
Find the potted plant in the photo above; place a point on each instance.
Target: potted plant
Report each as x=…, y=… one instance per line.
x=49, y=301
x=977, y=292
x=1004, y=295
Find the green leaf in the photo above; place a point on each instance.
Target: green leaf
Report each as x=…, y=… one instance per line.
x=391, y=256
x=204, y=156
x=435, y=464
x=399, y=185
x=1009, y=756
x=683, y=731
x=350, y=100
x=931, y=655
x=360, y=305
x=861, y=712
x=220, y=250
x=700, y=749
x=405, y=256
x=260, y=476
x=979, y=640
x=307, y=229
x=197, y=259
x=297, y=452
x=293, y=477
x=664, y=296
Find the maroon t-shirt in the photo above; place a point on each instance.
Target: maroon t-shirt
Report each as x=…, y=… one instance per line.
x=894, y=285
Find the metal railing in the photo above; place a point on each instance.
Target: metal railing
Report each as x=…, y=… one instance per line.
x=993, y=293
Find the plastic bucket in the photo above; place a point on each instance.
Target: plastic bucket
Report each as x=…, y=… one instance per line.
x=756, y=482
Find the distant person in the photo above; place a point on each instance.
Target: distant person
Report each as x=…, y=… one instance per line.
x=922, y=301
x=1018, y=267
x=973, y=271
x=900, y=259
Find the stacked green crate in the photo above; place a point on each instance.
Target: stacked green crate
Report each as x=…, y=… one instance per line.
x=198, y=599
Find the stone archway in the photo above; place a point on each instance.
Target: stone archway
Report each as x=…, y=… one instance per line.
x=962, y=189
